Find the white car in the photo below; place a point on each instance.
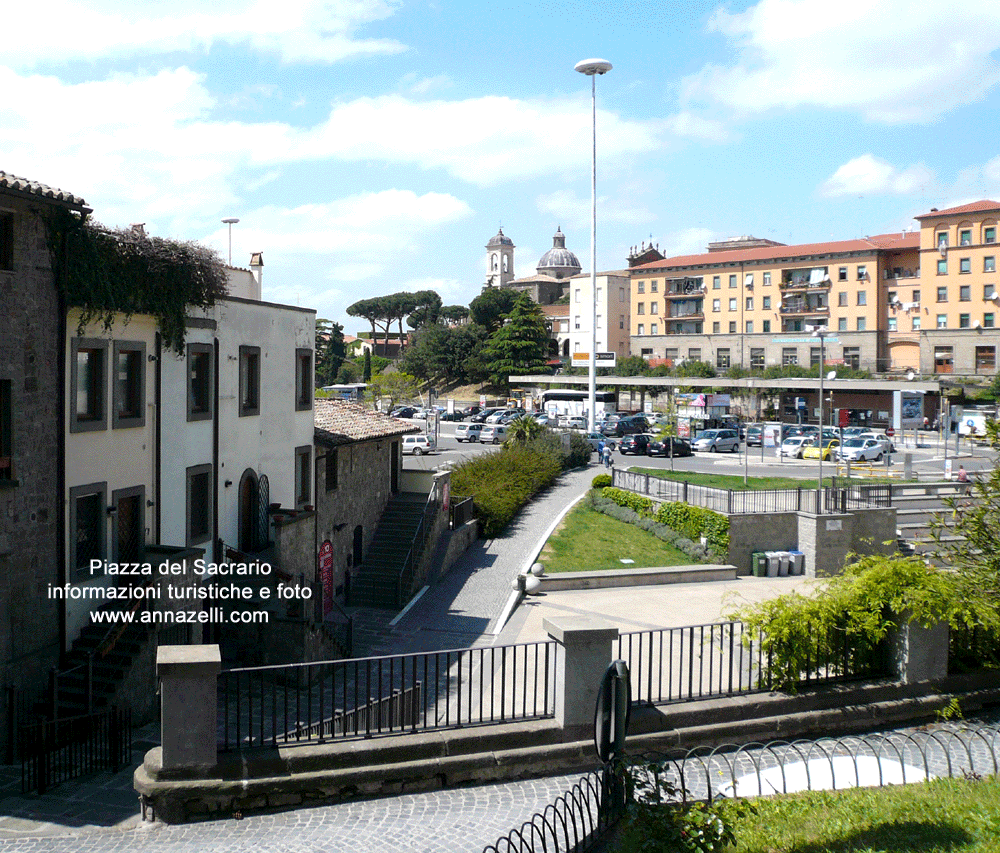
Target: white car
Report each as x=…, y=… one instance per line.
x=575, y=422
x=493, y=434
x=418, y=445
x=861, y=450
x=468, y=432
x=793, y=446
x=882, y=438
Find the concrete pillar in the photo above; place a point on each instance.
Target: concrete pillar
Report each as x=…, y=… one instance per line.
x=585, y=648
x=825, y=540
x=188, y=690
x=918, y=653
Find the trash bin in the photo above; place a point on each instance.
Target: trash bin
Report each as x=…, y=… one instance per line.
x=758, y=564
x=784, y=561
x=773, y=563
x=798, y=566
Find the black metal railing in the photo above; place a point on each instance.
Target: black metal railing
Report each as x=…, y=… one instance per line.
x=972, y=648
x=55, y=751
x=847, y=494
x=413, y=557
x=724, y=658
x=462, y=511
x=296, y=703
x=577, y=821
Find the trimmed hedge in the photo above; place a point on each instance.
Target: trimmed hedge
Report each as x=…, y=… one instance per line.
x=636, y=503
x=696, y=521
x=601, y=481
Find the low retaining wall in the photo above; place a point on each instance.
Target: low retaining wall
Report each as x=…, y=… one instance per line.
x=698, y=573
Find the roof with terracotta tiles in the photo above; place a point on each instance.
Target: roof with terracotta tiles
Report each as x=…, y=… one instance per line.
x=894, y=241
x=337, y=422
x=973, y=207
x=33, y=188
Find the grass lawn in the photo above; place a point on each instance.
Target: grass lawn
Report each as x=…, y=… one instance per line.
x=589, y=541
x=733, y=481
x=954, y=815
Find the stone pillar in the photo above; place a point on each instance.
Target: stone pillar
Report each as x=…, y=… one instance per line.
x=907, y=466
x=825, y=540
x=585, y=648
x=918, y=653
x=188, y=690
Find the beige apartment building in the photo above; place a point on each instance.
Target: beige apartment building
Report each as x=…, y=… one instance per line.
x=925, y=302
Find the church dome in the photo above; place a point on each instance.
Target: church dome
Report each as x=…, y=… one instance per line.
x=501, y=239
x=558, y=261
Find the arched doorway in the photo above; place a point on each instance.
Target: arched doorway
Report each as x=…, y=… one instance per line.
x=249, y=510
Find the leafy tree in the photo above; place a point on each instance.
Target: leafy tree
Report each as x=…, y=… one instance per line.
x=366, y=373
x=491, y=307
x=376, y=312
x=331, y=351
x=454, y=313
x=695, y=369
x=394, y=387
x=426, y=311
x=348, y=374
x=523, y=429
x=632, y=365
x=519, y=345
x=446, y=354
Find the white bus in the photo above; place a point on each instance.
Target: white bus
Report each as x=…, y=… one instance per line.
x=569, y=403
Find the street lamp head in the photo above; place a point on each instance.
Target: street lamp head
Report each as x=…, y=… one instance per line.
x=230, y=221
x=590, y=67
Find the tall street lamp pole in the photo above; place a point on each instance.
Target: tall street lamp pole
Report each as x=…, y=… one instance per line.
x=593, y=67
x=820, y=332
x=231, y=221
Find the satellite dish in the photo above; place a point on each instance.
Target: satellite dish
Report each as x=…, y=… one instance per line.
x=832, y=374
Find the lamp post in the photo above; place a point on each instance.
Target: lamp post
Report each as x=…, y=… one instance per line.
x=592, y=68
x=820, y=332
x=231, y=221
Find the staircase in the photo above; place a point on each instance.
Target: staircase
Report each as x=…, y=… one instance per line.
x=376, y=583
x=915, y=506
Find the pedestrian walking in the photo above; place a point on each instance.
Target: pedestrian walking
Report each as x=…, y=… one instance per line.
x=607, y=456
x=963, y=478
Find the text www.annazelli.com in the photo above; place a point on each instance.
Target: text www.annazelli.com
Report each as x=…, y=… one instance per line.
x=180, y=617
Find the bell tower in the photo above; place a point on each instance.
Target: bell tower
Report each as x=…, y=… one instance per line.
x=499, y=260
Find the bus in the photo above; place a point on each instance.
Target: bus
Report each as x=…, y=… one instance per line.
x=564, y=402
x=353, y=392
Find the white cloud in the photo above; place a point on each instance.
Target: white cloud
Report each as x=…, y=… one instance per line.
x=294, y=30
x=868, y=175
x=569, y=209
x=448, y=288
x=892, y=61
x=688, y=241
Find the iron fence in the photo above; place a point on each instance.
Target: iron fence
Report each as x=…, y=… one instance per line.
x=364, y=697
x=462, y=510
x=55, y=751
x=971, y=648
x=724, y=658
x=577, y=821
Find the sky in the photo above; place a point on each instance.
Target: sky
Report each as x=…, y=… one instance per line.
x=373, y=146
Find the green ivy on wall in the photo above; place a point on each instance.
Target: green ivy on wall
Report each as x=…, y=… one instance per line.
x=121, y=272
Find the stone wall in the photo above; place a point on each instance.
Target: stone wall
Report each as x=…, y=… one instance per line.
x=773, y=531
x=30, y=353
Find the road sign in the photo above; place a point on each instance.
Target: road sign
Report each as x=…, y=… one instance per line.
x=890, y=432
x=602, y=359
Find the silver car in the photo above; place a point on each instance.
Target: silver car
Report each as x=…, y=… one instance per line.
x=715, y=440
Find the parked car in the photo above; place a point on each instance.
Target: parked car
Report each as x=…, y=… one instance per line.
x=403, y=412
x=452, y=416
x=669, y=446
x=755, y=436
x=493, y=434
x=880, y=437
x=861, y=450
x=480, y=417
x=817, y=450
x=631, y=425
x=468, y=432
x=418, y=445
x=543, y=419
x=793, y=446
x=469, y=411
x=497, y=415
x=595, y=438
x=635, y=443
x=575, y=422
x=715, y=440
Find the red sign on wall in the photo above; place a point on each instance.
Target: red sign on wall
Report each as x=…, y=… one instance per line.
x=326, y=574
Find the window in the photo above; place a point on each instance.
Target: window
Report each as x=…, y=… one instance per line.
x=199, y=366
x=88, y=411
x=842, y=274
x=767, y=279
x=670, y=353
x=862, y=297
x=732, y=327
x=748, y=280
x=646, y=352
x=990, y=263
x=989, y=322
x=893, y=297
x=597, y=320
x=990, y=235
x=986, y=359
x=303, y=475
x=249, y=381
x=640, y=308
x=732, y=281
x=653, y=286
x=577, y=297
x=842, y=299
x=199, y=504
x=916, y=296
x=964, y=293
x=642, y=329
x=965, y=237
x=621, y=294
x=892, y=324
x=654, y=307
x=852, y=357
x=716, y=282
x=88, y=528
x=722, y=359
x=767, y=303
x=842, y=324
x=942, y=239
x=915, y=323
x=621, y=322
x=942, y=267
x=576, y=322
x=765, y=326
x=716, y=305
x=716, y=327
x=129, y=409
x=942, y=294
x=942, y=321
x=303, y=379
x=599, y=295
x=789, y=355
x=964, y=265
x=862, y=272
x=964, y=321
x=641, y=287
x=757, y=358
x=862, y=324
x=330, y=470
x=749, y=327
x=6, y=431
x=694, y=354
x=749, y=306
x=6, y=240
x=732, y=304
x=654, y=328
x=128, y=524
x=943, y=359
x=814, y=356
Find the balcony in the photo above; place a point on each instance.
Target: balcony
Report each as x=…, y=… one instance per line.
x=800, y=307
x=806, y=280
x=698, y=314
x=681, y=291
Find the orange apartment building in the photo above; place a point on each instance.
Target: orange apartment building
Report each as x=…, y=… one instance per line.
x=925, y=302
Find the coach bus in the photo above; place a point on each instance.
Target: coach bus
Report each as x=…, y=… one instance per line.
x=563, y=402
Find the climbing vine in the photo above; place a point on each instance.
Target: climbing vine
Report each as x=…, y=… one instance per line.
x=120, y=272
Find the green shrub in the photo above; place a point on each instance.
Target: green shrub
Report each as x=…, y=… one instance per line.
x=695, y=522
x=636, y=503
x=601, y=481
